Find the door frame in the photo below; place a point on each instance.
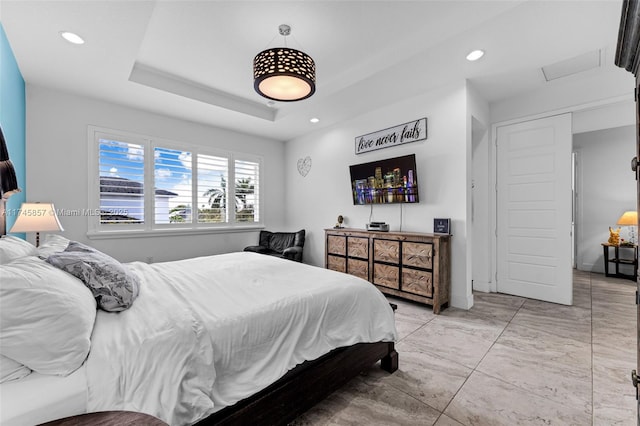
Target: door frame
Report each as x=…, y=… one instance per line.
x=493, y=257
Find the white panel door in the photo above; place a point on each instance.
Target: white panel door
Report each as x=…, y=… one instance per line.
x=534, y=209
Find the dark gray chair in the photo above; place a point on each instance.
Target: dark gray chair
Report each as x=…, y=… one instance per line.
x=287, y=245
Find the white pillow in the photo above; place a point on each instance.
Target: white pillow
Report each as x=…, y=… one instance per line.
x=46, y=316
x=12, y=370
x=53, y=243
x=12, y=248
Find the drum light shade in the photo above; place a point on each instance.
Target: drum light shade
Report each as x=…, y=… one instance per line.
x=284, y=74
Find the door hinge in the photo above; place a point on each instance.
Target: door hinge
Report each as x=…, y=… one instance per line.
x=637, y=298
x=634, y=380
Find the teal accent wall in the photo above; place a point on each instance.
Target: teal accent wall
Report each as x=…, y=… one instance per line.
x=13, y=121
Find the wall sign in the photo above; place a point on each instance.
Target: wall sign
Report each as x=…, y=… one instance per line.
x=412, y=131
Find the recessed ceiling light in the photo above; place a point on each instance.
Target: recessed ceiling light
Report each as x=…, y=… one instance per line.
x=71, y=37
x=475, y=55
x=314, y=120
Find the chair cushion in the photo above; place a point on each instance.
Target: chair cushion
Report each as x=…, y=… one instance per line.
x=281, y=240
x=280, y=244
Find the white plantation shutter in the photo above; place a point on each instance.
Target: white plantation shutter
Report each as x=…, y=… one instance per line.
x=149, y=185
x=121, y=172
x=247, y=185
x=175, y=204
x=213, y=187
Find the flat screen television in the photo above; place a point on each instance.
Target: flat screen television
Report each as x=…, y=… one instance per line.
x=393, y=180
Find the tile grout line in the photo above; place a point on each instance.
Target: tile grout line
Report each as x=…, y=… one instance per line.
x=473, y=370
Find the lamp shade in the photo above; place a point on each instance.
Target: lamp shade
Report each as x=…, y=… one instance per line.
x=37, y=217
x=629, y=218
x=8, y=180
x=284, y=74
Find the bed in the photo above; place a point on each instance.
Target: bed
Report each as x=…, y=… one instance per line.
x=210, y=340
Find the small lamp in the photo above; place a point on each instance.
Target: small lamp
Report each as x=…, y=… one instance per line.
x=630, y=219
x=8, y=181
x=37, y=217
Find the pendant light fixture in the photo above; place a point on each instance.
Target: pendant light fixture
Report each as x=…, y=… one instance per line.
x=284, y=74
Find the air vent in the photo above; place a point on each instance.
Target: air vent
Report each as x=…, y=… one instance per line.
x=573, y=65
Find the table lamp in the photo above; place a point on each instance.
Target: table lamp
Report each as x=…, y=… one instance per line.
x=630, y=219
x=8, y=181
x=37, y=217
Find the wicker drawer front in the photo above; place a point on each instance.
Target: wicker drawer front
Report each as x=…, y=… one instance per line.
x=387, y=276
x=359, y=268
x=358, y=247
x=417, y=282
x=417, y=254
x=336, y=263
x=386, y=251
x=337, y=245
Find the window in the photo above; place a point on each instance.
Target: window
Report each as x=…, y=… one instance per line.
x=213, y=173
x=172, y=170
x=246, y=190
x=121, y=167
x=148, y=184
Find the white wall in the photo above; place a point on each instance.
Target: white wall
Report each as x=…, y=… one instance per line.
x=57, y=171
x=479, y=203
x=606, y=188
x=315, y=201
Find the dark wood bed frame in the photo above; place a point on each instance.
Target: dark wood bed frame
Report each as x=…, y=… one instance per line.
x=306, y=385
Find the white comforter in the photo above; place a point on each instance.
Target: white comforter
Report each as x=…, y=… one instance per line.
x=207, y=332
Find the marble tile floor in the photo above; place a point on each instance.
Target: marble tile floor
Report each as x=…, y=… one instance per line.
x=507, y=361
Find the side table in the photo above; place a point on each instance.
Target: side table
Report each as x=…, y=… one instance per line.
x=630, y=257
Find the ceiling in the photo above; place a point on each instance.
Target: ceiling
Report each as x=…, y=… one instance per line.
x=193, y=59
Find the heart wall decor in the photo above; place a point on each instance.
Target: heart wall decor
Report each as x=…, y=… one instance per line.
x=304, y=165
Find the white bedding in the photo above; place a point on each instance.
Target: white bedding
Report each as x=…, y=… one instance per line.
x=40, y=398
x=207, y=332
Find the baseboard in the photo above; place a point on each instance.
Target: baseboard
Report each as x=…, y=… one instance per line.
x=483, y=286
x=462, y=302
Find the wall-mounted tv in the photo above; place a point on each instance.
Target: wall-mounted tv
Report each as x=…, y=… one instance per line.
x=393, y=180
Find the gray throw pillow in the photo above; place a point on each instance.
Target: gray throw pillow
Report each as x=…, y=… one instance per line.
x=112, y=284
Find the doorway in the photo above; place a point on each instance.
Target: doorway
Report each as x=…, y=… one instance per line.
x=605, y=188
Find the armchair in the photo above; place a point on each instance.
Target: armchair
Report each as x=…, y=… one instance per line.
x=287, y=245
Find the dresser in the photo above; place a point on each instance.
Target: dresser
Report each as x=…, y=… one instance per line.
x=409, y=265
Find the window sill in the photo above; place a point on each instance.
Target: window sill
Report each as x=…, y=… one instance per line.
x=144, y=233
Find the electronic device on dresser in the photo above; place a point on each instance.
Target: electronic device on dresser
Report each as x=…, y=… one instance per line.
x=378, y=226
